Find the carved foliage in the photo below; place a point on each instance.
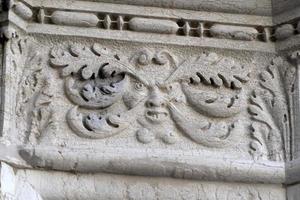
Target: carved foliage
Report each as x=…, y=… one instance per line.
x=154, y=88
x=212, y=70
x=266, y=136
x=97, y=78
x=209, y=134
x=214, y=104
x=269, y=108
x=43, y=114
x=33, y=99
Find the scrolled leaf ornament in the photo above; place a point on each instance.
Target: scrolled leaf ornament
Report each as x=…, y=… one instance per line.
x=218, y=135
x=87, y=81
x=212, y=70
x=95, y=78
x=97, y=127
x=213, y=104
x=268, y=108
x=156, y=91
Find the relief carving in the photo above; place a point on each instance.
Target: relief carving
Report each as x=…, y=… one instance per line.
x=268, y=107
x=164, y=99
x=33, y=99
x=154, y=88
x=95, y=78
x=160, y=103
x=197, y=78
x=22, y=10
x=98, y=89
x=43, y=111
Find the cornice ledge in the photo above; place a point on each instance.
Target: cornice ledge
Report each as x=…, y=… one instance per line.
x=153, y=25
x=251, y=7
x=127, y=161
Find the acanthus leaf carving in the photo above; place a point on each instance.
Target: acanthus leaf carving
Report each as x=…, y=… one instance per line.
x=218, y=135
x=97, y=127
x=258, y=146
x=260, y=113
x=34, y=98
x=87, y=61
x=268, y=105
x=43, y=112
x=104, y=79
x=212, y=70
x=94, y=94
x=213, y=104
x=96, y=78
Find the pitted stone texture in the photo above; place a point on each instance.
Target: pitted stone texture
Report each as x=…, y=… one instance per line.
x=91, y=87
x=185, y=103
x=293, y=192
x=60, y=186
x=241, y=6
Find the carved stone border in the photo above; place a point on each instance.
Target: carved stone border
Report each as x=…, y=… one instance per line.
x=26, y=183
x=129, y=162
x=159, y=25
x=228, y=26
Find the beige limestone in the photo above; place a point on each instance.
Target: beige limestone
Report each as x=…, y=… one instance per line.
x=149, y=100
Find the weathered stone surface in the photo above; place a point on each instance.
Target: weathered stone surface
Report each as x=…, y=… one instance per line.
x=284, y=31
x=31, y=184
x=234, y=32
x=153, y=25
x=74, y=19
x=259, y=7
x=115, y=100
x=298, y=26
x=23, y=11
x=293, y=192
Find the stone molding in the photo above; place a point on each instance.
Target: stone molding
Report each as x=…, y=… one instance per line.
x=92, y=90
x=125, y=78
x=30, y=184
x=248, y=32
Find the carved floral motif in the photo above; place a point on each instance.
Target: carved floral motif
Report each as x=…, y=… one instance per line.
x=157, y=90
x=201, y=98
x=97, y=78
x=34, y=98
x=268, y=107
